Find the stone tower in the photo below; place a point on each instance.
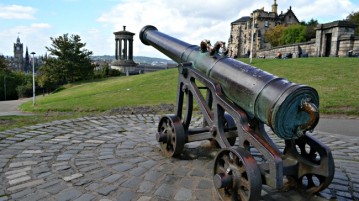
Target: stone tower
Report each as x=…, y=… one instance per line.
x=124, y=52
x=275, y=7
x=18, y=54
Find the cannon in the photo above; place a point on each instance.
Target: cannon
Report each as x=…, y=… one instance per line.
x=237, y=100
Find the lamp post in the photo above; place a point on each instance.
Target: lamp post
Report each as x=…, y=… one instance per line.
x=252, y=38
x=33, y=78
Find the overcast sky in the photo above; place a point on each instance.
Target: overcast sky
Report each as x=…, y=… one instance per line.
x=95, y=21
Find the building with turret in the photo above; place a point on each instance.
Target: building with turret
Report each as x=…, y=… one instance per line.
x=239, y=43
x=18, y=62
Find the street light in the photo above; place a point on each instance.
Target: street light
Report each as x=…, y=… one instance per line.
x=252, y=38
x=33, y=78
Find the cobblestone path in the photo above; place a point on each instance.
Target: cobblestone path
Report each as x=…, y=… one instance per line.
x=117, y=158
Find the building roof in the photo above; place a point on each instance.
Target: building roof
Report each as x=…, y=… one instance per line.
x=123, y=32
x=339, y=23
x=242, y=19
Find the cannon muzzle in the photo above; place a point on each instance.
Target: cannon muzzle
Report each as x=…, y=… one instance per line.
x=289, y=109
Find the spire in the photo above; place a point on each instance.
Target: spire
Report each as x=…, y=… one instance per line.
x=275, y=7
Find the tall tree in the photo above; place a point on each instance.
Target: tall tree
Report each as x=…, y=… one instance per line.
x=354, y=17
x=311, y=26
x=3, y=64
x=72, y=61
x=273, y=35
x=295, y=33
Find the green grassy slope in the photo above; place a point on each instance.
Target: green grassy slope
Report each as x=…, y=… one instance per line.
x=147, y=89
x=336, y=79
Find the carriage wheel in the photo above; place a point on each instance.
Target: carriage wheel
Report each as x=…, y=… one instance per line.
x=237, y=175
x=316, y=163
x=171, y=135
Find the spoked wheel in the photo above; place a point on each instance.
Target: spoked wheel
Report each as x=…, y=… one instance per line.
x=171, y=135
x=237, y=175
x=316, y=164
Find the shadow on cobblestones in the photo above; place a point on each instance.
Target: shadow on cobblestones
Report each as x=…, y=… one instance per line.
x=117, y=158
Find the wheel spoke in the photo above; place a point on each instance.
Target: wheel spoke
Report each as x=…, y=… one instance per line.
x=245, y=183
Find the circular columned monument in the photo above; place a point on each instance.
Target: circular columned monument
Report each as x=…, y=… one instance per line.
x=124, y=52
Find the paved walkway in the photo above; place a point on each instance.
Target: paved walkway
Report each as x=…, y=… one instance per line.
x=117, y=158
x=10, y=108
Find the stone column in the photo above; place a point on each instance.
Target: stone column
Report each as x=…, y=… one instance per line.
x=120, y=49
x=116, y=52
x=125, y=51
x=131, y=49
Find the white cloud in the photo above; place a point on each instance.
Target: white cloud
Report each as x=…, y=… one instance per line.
x=17, y=12
x=34, y=36
x=40, y=25
x=323, y=10
x=203, y=19
x=192, y=21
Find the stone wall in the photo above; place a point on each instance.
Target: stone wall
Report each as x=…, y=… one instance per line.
x=348, y=45
x=308, y=48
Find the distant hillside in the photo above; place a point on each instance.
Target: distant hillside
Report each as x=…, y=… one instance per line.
x=137, y=59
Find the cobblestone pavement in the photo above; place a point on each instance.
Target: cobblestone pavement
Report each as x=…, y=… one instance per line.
x=117, y=158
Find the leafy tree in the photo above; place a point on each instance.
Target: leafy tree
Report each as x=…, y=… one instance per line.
x=71, y=63
x=282, y=35
x=273, y=35
x=295, y=33
x=50, y=75
x=3, y=64
x=354, y=17
x=311, y=26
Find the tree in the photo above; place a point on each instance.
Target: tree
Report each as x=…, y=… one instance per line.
x=295, y=33
x=282, y=35
x=71, y=63
x=273, y=35
x=311, y=26
x=3, y=64
x=354, y=17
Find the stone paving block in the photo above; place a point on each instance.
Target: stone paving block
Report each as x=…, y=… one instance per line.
x=106, y=190
x=17, y=175
x=146, y=187
x=67, y=194
x=26, y=185
x=86, y=197
x=19, y=180
x=20, y=194
x=127, y=196
x=21, y=164
x=132, y=183
x=72, y=177
x=165, y=191
x=112, y=178
x=122, y=167
x=35, y=196
x=183, y=194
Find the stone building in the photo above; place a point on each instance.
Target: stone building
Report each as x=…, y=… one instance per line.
x=336, y=39
x=333, y=39
x=18, y=62
x=124, y=52
x=240, y=36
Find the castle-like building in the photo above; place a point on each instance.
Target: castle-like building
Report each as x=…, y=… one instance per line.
x=239, y=43
x=18, y=62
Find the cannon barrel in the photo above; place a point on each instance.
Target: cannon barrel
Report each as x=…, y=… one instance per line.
x=289, y=109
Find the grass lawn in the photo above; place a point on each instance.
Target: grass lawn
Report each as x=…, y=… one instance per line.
x=336, y=80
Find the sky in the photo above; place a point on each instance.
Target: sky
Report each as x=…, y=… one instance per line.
x=95, y=20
